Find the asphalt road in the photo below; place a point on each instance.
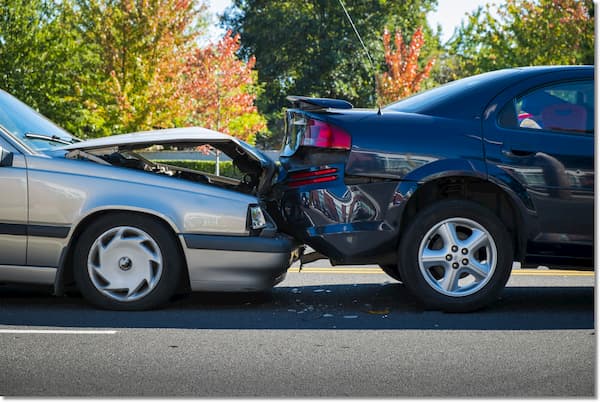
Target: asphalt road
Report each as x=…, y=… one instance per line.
x=322, y=332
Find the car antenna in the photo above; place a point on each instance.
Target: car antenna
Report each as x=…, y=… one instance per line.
x=371, y=64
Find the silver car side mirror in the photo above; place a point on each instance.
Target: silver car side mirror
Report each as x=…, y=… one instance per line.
x=6, y=158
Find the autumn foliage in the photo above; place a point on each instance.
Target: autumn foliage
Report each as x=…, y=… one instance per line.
x=158, y=76
x=104, y=67
x=221, y=89
x=403, y=77
x=142, y=45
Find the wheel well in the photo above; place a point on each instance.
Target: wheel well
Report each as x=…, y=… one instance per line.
x=473, y=189
x=65, y=277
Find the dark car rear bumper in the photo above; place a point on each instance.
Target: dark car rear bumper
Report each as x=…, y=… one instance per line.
x=348, y=223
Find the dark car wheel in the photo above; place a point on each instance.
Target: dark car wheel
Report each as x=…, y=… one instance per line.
x=455, y=256
x=127, y=262
x=391, y=271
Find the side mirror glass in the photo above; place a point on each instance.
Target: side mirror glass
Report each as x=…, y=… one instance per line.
x=6, y=157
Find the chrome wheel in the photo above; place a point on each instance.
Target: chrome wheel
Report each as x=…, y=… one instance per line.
x=457, y=257
x=125, y=263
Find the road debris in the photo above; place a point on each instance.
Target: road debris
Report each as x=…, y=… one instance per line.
x=379, y=312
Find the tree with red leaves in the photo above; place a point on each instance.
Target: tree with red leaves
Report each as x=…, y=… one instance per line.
x=221, y=89
x=403, y=77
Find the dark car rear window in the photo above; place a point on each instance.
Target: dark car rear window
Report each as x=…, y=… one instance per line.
x=458, y=94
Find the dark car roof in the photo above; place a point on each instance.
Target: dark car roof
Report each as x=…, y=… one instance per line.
x=467, y=97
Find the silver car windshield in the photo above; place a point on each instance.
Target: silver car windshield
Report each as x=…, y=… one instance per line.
x=29, y=126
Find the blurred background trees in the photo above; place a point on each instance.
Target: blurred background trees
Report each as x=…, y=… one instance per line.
x=523, y=33
x=309, y=48
x=102, y=67
x=221, y=90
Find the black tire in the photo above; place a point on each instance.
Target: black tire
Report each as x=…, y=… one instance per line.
x=392, y=271
x=162, y=277
x=438, y=286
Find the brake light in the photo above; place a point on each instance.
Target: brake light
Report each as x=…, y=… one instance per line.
x=314, y=173
x=324, y=135
x=312, y=177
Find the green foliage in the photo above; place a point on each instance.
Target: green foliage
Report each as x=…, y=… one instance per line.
x=522, y=33
x=43, y=61
x=309, y=47
x=226, y=168
x=142, y=47
x=103, y=67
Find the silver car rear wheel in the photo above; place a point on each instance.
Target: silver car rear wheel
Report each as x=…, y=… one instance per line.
x=125, y=263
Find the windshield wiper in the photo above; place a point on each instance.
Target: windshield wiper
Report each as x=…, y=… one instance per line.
x=52, y=138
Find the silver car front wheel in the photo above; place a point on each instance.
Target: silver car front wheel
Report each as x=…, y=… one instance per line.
x=127, y=262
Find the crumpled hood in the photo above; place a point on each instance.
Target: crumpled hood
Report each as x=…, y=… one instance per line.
x=198, y=135
x=241, y=152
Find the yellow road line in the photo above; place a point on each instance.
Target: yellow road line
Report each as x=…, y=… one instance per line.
x=551, y=272
x=377, y=271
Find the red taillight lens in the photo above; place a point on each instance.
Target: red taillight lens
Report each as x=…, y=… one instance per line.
x=316, y=180
x=324, y=135
x=312, y=177
x=314, y=173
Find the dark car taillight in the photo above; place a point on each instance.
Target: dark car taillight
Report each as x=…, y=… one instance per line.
x=324, y=135
x=304, y=178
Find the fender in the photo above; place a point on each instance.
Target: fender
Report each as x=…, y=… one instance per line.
x=462, y=168
x=466, y=168
x=76, y=229
x=448, y=168
x=510, y=185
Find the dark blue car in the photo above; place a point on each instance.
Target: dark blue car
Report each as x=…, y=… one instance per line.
x=446, y=189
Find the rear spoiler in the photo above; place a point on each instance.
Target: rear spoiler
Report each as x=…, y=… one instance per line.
x=317, y=104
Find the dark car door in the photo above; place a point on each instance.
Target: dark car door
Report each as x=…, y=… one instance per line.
x=541, y=133
x=13, y=206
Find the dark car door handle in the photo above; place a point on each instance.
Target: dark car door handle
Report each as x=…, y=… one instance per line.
x=517, y=153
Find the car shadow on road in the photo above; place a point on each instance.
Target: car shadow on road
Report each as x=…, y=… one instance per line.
x=350, y=307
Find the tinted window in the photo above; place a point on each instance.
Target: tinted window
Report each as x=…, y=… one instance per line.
x=565, y=107
x=451, y=93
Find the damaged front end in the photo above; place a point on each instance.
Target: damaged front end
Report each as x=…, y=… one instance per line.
x=251, y=171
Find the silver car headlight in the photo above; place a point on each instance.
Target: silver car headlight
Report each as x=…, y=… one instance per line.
x=257, y=218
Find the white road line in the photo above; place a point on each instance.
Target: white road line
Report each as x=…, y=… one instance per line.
x=55, y=331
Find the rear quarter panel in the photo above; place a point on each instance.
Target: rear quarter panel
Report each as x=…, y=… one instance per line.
x=411, y=147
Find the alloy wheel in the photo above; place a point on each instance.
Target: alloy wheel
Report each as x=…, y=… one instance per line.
x=457, y=257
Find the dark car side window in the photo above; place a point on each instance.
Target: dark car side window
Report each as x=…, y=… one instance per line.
x=565, y=108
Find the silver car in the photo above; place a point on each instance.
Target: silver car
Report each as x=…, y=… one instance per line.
x=128, y=231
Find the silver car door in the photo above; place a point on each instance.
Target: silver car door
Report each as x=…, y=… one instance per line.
x=13, y=206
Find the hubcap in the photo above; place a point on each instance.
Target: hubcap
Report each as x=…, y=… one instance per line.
x=125, y=263
x=457, y=257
